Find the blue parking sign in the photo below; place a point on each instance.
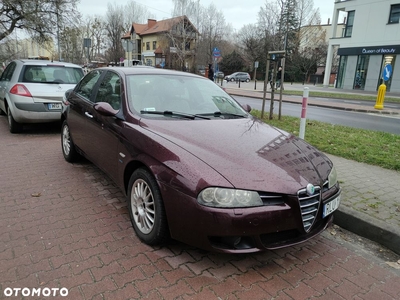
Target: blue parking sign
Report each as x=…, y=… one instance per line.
x=387, y=72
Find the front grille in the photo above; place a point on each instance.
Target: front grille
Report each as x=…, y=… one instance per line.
x=309, y=206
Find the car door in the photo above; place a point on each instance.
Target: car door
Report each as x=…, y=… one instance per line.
x=102, y=132
x=80, y=102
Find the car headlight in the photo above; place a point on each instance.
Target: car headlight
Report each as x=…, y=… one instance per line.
x=332, y=177
x=222, y=197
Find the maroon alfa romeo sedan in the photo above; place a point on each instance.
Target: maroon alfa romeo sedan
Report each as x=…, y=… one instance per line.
x=194, y=164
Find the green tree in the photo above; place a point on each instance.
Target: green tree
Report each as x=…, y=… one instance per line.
x=232, y=62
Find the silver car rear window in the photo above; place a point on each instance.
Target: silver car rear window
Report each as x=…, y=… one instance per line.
x=51, y=74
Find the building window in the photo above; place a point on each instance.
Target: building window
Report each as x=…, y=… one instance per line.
x=147, y=45
x=149, y=62
x=341, y=71
x=349, y=23
x=361, y=72
x=394, y=13
x=154, y=45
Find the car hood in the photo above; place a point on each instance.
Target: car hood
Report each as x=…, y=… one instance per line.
x=248, y=153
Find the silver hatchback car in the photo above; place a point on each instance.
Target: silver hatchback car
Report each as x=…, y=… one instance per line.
x=31, y=91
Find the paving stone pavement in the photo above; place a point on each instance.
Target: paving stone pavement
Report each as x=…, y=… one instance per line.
x=66, y=226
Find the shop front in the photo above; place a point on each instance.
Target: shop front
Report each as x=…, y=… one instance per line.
x=360, y=68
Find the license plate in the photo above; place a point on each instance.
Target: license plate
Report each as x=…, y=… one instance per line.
x=54, y=105
x=330, y=207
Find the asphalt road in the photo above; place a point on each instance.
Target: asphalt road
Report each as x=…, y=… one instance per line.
x=369, y=121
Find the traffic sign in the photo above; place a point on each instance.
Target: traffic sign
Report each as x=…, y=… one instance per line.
x=387, y=72
x=216, y=52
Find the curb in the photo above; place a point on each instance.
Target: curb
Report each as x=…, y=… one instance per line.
x=367, y=227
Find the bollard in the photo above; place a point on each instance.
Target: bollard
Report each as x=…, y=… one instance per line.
x=380, y=97
x=303, y=113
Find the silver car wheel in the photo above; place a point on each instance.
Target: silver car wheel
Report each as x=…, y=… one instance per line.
x=67, y=144
x=142, y=205
x=66, y=140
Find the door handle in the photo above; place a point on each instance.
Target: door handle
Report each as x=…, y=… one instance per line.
x=88, y=115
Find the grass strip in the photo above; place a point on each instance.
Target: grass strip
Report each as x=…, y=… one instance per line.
x=366, y=146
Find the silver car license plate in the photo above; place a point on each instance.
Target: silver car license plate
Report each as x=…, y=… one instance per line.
x=330, y=207
x=52, y=106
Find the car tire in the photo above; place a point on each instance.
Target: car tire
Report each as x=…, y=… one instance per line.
x=247, y=80
x=67, y=145
x=146, y=208
x=13, y=125
x=232, y=79
x=2, y=112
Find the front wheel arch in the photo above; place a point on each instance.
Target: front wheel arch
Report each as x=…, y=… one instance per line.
x=146, y=208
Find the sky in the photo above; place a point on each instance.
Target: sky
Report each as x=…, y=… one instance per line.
x=236, y=12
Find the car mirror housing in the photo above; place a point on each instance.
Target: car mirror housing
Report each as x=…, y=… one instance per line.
x=246, y=107
x=105, y=109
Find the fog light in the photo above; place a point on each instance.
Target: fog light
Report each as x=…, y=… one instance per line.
x=232, y=241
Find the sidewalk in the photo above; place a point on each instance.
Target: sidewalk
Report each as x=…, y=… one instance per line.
x=370, y=205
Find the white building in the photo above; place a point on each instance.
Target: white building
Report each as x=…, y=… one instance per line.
x=370, y=40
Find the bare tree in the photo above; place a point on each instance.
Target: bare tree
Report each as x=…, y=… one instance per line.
x=213, y=31
x=251, y=39
x=114, y=27
x=38, y=18
x=136, y=13
x=180, y=43
x=95, y=31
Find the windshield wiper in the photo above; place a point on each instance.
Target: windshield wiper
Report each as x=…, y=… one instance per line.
x=220, y=113
x=169, y=113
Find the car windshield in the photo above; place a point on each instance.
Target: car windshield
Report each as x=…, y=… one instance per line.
x=153, y=95
x=51, y=74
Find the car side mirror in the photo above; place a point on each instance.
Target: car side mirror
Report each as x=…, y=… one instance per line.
x=246, y=107
x=105, y=109
x=68, y=92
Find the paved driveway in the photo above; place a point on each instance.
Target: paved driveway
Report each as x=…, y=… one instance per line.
x=65, y=229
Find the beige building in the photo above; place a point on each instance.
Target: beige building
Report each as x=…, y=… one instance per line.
x=314, y=36
x=168, y=43
x=31, y=49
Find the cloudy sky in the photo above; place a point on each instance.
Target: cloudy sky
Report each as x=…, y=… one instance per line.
x=236, y=12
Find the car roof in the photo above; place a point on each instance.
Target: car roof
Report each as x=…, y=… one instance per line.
x=134, y=70
x=38, y=62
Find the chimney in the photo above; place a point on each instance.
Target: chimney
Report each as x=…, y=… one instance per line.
x=151, y=22
x=329, y=21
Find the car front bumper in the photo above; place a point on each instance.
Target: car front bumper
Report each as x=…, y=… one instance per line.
x=240, y=230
